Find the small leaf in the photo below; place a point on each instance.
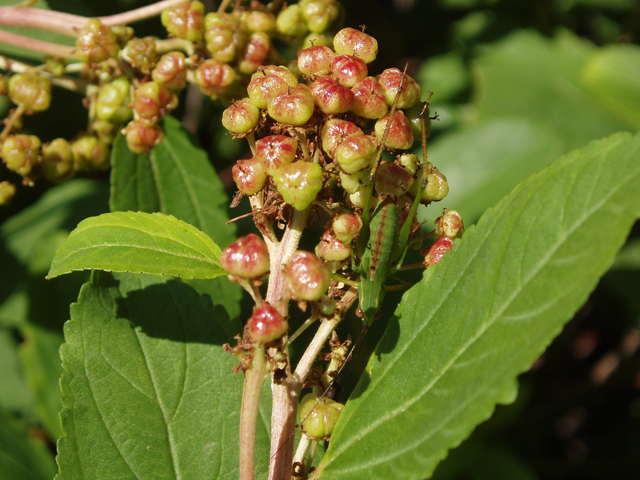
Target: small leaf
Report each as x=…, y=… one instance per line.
x=147, y=384
x=138, y=242
x=482, y=316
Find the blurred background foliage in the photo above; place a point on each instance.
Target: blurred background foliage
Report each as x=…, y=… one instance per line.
x=516, y=84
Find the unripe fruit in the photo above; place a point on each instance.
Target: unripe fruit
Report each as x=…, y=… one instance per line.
x=331, y=97
x=20, y=153
x=352, y=182
x=348, y=70
x=260, y=21
x=413, y=115
x=290, y=21
x=96, y=43
x=392, y=178
x=141, y=53
x=307, y=276
x=275, y=151
x=326, y=305
x=400, y=135
x=7, y=191
x=319, y=419
x=224, y=43
x=333, y=250
x=241, y=117
x=246, y=258
x=214, y=77
x=152, y=102
x=359, y=198
x=269, y=82
x=90, y=153
x=122, y=33
x=347, y=226
x=185, y=21
x=411, y=92
x=355, y=153
x=318, y=14
x=255, y=52
x=314, y=39
x=450, y=224
x=334, y=131
x=113, y=101
x=299, y=183
x=410, y=162
x=369, y=101
x=31, y=90
x=350, y=41
x=57, y=161
x=266, y=324
x=437, y=186
x=250, y=175
x=435, y=253
x=142, y=138
x=315, y=60
x=171, y=71
x=293, y=107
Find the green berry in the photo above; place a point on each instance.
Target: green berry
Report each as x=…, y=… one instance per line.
x=4, y=85
x=20, y=153
x=31, y=90
x=142, y=138
x=392, y=179
x=437, y=186
x=113, y=101
x=291, y=22
x=450, y=224
x=152, y=102
x=171, y=71
x=400, y=135
x=224, y=36
x=356, y=153
x=90, y=153
x=307, y=277
x=185, y=21
x=7, y=192
x=314, y=39
x=318, y=14
x=299, y=183
x=260, y=21
x=141, y=53
x=319, y=419
x=350, y=41
x=57, y=161
x=352, y=182
x=269, y=82
x=96, y=43
x=241, y=117
x=334, y=131
x=410, y=162
x=293, y=107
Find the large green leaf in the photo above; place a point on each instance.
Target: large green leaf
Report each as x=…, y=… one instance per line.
x=22, y=456
x=178, y=179
x=461, y=336
x=138, y=242
x=148, y=392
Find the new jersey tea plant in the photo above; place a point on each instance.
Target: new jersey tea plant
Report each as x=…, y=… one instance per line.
x=166, y=372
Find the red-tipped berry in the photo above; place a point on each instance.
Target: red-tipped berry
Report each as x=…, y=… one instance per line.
x=250, y=175
x=142, y=138
x=31, y=90
x=400, y=135
x=411, y=92
x=152, y=102
x=315, y=60
x=246, y=258
x=333, y=250
x=185, y=21
x=269, y=82
x=369, y=101
x=96, y=43
x=307, y=276
x=171, y=71
x=299, y=183
x=441, y=246
x=450, y=224
x=214, y=77
x=241, y=117
x=293, y=107
x=255, y=52
x=350, y=41
x=392, y=178
x=266, y=324
x=334, y=131
x=331, y=97
x=347, y=226
x=275, y=151
x=348, y=70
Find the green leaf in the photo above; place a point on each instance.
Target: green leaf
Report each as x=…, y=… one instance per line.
x=148, y=385
x=14, y=393
x=138, y=242
x=22, y=456
x=481, y=317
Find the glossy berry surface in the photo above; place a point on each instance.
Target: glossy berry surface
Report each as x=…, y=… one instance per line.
x=306, y=276
x=241, y=117
x=299, y=183
x=319, y=419
x=276, y=151
x=246, y=258
x=250, y=175
x=441, y=246
x=293, y=107
x=266, y=324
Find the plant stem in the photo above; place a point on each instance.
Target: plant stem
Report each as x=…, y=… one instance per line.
x=253, y=380
x=39, y=46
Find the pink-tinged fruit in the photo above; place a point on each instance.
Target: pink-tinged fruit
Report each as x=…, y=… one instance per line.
x=441, y=246
x=299, y=183
x=307, y=276
x=246, y=258
x=266, y=324
x=276, y=151
x=250, y=175
x=350, y=41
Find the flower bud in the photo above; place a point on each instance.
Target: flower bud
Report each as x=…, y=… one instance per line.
x=331, y=97
x=266, y=324
x=293, y=107
x=152, y=102
x=450, y=224
x=57, y=161
x=113, y=101
x=356, y=153
x=171, y=71
x=307, y=276
x=141, y=53
x=20, y=153
x=315, y=60
x=390, y=80
x=275, y=151
x=333, y=250
x=299, y=183
x=142, y=138
x=400, y=135
x=347, y=226
x=250, y=175
x=350, y=41
x=185, y=21
x=90, y=153
x=241, y=117
x=31, y=90
x=214, y=77
x=290, y=21
x=246, y=258
x=441, y=246
x=348, y=70
x=7, y=191
x=319, y=419
x=96, y=43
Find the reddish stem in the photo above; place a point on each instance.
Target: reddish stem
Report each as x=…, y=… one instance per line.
x=40, y=46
